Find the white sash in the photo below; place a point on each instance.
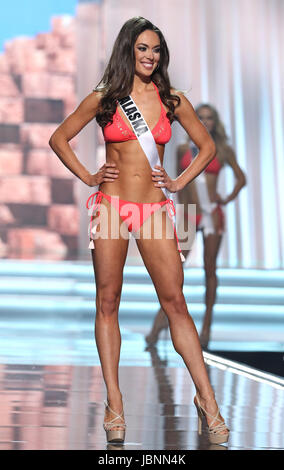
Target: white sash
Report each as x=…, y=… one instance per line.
x=206, y=205
x=147, y=142
x=143, y=134
x=203, y=198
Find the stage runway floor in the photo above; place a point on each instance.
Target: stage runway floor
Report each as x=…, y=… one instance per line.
x=51, y=384
x=60, y=407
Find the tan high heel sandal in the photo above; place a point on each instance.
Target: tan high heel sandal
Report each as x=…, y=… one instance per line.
x=114, y=435
x=215, y=433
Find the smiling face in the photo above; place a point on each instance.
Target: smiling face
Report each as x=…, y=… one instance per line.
x=147, y=52
x=206, y=117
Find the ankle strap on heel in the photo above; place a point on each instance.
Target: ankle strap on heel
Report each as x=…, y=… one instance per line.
x=117, y=416
x=213, y=429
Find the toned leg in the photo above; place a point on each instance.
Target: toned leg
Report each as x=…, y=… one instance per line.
x=211, y=248
x=163, y=263
x=160, y=321
x=109, y=258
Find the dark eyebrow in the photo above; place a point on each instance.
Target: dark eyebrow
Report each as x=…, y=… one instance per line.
x=143, y=44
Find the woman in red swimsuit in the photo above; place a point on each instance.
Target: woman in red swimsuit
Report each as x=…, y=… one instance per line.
x=189, y=195
x=138, y=66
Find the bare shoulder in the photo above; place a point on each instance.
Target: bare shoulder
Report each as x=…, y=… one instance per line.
x=180, y=93
x=97, y=95
x=88, y=107
x=184, y=106
x=91, y=101
x=174, y=91
x=186, y=116
x=80, y=117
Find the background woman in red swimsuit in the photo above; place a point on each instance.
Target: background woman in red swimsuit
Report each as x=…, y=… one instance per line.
x=188, y=195
x=140, y=58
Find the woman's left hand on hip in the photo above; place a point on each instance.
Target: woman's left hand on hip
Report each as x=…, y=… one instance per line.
x=220, y=200
x=162, y=180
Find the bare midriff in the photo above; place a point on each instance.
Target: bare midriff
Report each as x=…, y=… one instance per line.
x=134, y=182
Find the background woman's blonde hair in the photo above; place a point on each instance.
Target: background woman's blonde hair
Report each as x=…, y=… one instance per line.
x=218, y=133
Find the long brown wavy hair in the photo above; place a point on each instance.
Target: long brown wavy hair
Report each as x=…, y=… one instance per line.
x=117, y=81
x=218, y=133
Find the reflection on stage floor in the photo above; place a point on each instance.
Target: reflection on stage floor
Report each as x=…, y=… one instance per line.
x=49, y=407
x=51, y=384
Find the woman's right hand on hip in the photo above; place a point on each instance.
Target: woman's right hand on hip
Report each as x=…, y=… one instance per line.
x=106, y=174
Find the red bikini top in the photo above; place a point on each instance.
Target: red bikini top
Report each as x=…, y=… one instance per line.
x=119, y=131
x=213, y=167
